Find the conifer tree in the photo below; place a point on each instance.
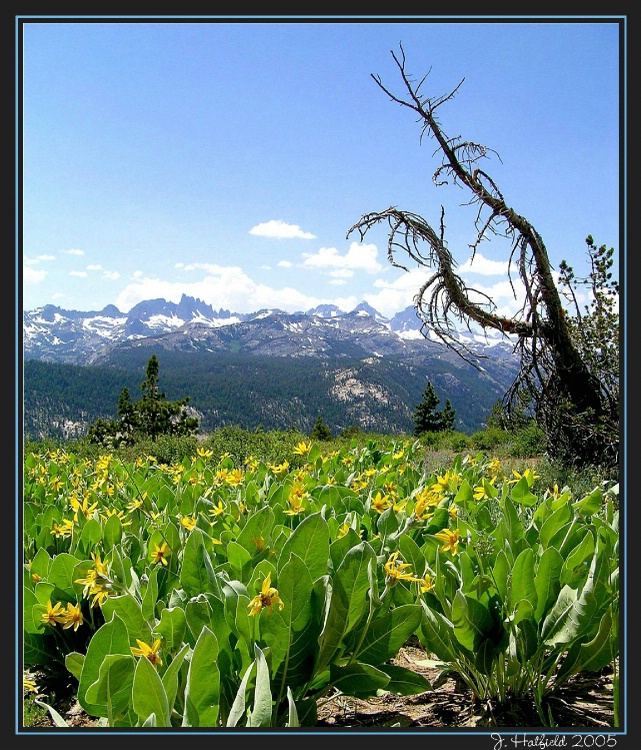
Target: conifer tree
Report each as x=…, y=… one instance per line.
x=427, y=418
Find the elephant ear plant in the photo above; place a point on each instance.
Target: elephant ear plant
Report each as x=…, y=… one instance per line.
x=222, y=652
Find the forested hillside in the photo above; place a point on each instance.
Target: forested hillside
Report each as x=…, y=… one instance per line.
x=253, y=391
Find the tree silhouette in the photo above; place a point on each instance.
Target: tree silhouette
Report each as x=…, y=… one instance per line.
x=577, y=409
x=427, y=418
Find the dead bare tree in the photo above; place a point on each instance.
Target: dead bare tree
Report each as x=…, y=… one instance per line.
x=577, y=411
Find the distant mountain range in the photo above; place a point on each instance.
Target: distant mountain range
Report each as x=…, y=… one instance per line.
x=361, y=367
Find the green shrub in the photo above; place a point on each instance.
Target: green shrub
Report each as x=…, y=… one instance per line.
x=527, y=442
x=488, y=439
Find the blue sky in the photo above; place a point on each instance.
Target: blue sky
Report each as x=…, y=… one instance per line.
x=227, y=159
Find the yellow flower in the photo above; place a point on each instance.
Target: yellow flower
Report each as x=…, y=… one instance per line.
x=380, y=503
x=528, y=474
x=204, y=453
x=134, y=504
x=72, y=617
x=189, y=522
x=425, y=584
x=302, y=448
x=395, y=570
x=450, y=540
x=29, y=685
x=217, y=510
x=267, y=598
x=119, y=513
x=280, y=469
x=234, y=477
x=160, y=554
x=343, y=530
x=53, y=614
x=149, y=652
x=97, y=582
x=480, y=492
x=64, y=529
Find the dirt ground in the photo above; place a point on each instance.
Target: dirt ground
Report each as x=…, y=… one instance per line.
x=585, y=701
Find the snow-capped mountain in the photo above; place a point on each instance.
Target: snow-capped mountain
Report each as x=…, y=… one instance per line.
x=51, y=334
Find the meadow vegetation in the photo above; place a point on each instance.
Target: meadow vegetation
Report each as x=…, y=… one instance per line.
x=244, y=578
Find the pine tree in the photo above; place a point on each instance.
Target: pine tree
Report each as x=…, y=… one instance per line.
x=427, y=418
x=320, y=431
x=149, y=417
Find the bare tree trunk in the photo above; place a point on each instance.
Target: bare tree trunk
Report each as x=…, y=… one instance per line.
x=552, y=367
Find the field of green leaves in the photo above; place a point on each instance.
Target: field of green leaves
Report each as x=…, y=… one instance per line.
x=238, y=591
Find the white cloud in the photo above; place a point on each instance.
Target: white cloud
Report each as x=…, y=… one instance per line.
x=79, y=274
x=485, y=267
x=95, y=267
x=281, y=230
x=111, y=275
x=37, y=259
x=226, y=287
x=31, y=276
x=341, y=273
x=284, y=264
x=74, y=251
x=358, y=258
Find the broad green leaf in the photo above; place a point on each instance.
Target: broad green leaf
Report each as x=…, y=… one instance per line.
x=38, y=650
x=113, y=688
x=510, y=524
x=202, y=691
x=40, y=564
x=567, y=617
x=29, y=623
x=547, y=581
x=472, y=622
x=238, y=705
x=172, y=627
x=113, y=532
x=553, y=524
x=238, y=557
x=501, y=572
x=522, y=494
x=591, y=656
x=405, y=681
x=589, y=504
x=293, y=717
x=91, y=534
x=437, y=635
x=61, y=572
x=74, y=662
x=198, y=614
x=522, y=584
x=43, y=592
x=309, y=541
x=150, y=597
x=291, y=633
x=259, y=525
x=193, y=573
x=411, y=553
x=130, y=612
x=55, y=716
x=388, y=633
x=148, y=694
x=464, y=496
x=111, y=638
x=348, y=601
x=261, y=714
x=387, y=523
x=362, y=680
x=576, y=565
x=170, y=678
